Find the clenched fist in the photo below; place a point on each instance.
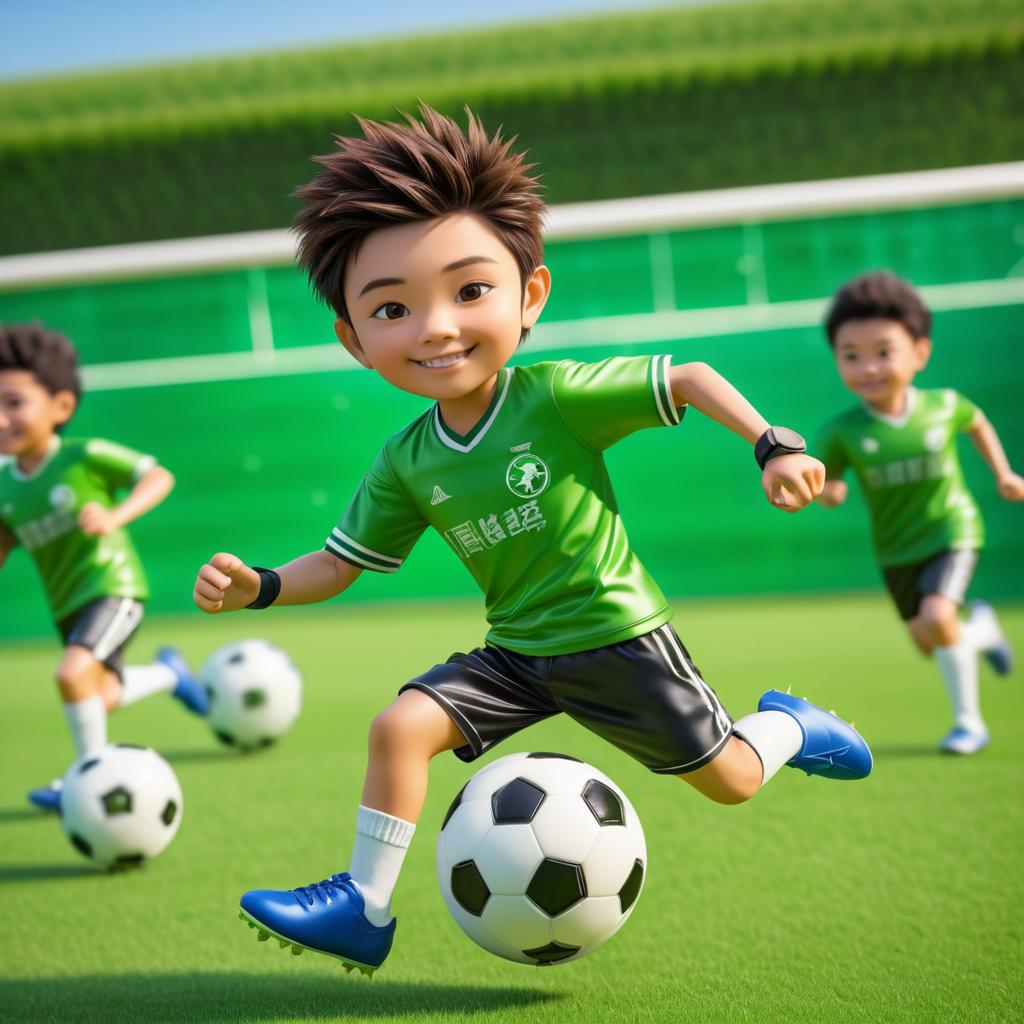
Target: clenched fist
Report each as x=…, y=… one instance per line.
x=225, y=584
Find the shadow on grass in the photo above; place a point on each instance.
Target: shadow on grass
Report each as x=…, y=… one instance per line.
x=200, y=755
x=25, y=814
x=45, y=872
x=227, y=997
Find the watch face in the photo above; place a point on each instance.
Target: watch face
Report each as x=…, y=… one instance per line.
x=789, y=439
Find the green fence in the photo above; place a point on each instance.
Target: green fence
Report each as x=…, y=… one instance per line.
x=266, y=455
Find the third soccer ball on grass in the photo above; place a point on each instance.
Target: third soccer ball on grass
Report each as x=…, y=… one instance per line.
x=255, y=693
x=541, y=858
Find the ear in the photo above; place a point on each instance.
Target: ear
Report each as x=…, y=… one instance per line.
x=63, y=405
x=347, y=336
x=535, y=295
x=922, y=352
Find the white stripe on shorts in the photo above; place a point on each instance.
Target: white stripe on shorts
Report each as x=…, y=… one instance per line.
x=721, y=717
x=661, y=635
x=120, y=627
x=957, y=577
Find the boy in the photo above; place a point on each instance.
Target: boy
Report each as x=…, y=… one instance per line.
x=427, y=244
x=57, y=499
x=901, y=443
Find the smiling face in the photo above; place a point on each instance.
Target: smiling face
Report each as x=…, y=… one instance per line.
x=878, y=359
x=29, y=415
x=437, y=307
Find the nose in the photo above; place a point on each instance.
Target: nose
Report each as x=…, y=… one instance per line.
x=439, y=324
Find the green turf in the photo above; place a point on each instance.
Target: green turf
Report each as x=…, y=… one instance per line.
x=894, y=899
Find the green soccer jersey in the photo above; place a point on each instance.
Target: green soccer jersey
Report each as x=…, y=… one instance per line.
x=910, y=474
x=525, y=502
x=41, y=511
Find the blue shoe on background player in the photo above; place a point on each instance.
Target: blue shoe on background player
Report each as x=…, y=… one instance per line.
x=188, y=690
x=831, y=747
x=964, y=741
x=326, y=917
x=46, y=798
x=1000, y=654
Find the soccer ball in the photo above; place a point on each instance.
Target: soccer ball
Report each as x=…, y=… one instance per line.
x=255, y=693
x=121, y=805
x=541, y=858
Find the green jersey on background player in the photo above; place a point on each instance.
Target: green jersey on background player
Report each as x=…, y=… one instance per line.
x=426, y=243
x=67, y=502
x=901, y=443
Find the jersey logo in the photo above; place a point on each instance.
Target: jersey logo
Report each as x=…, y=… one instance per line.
x=438, y=496
x=62, y=497
x=935, y=438
x=527, y=476
x=521, y=447
x=869, y=444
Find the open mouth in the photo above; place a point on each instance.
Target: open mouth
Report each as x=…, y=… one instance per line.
x=444, y=362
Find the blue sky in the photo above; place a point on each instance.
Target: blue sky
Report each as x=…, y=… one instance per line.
x=42, y=37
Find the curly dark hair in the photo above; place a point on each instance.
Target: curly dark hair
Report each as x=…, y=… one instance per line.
x=398, y=173
x=47, y=355
x=878, y=294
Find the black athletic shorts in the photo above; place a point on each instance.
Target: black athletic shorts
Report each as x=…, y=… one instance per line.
x=644, y=695
x=103, y=626
x=947, y=573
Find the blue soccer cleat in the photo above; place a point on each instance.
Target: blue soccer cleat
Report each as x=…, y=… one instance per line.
x=964, y=741
x=831, y=747
x=47, y=798
x=326, y=917
x=188, y=690
x=1000, y=654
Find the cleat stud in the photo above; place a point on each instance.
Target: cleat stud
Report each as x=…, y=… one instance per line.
x=789, y=689
x=241, y=916
x=296, y=951
x=262, y=936
x=348, y=968
x=282, y=943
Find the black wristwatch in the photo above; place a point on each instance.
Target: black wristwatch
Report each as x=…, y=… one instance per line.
x=778, y=441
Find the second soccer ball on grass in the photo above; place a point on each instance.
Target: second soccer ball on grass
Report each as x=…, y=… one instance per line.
x=255, y=693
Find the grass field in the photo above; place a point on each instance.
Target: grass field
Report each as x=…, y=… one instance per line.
x=895, y=899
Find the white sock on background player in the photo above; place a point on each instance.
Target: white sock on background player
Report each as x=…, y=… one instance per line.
x=981, y=629
x=87, y=720
x=378, y=853
x=958, y=664
x=775, y=736
x=140, y=681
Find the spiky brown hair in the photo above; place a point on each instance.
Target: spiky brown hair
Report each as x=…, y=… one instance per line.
x=878, y=294
x=398, y=173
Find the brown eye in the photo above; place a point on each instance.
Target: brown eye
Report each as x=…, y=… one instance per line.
x=471, y=292
x=390, y=311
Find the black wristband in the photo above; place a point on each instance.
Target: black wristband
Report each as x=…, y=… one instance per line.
x=270, y=587
x=777, y=441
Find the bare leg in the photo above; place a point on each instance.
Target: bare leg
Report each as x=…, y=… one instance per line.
x=936, y=624
x=403, y=739
x=733, y=776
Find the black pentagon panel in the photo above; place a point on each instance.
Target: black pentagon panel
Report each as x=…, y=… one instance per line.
x=454, y=807
x=169, y=811
x=117, y=801
x=86, y=765
x=254, y=698
x=544, y=753
x=224, y=737
x=80, y=844
x=551, y=953
x=516, y=802
x=469, y=888
x=631, y=887
x=237, y=658
x=556, y=886
x=604, y=803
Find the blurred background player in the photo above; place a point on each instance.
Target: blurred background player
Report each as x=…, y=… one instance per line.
x=58, y=499
x=901, y=443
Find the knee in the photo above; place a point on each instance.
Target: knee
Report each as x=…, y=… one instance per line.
x=72, y=677
x=939, y=627
x=392, y=731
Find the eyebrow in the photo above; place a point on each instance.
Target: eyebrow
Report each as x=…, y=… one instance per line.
x=384, y=282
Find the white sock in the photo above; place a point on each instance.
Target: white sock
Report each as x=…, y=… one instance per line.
x=981, y=630
x=958, y=664
x=140, y=681
x=775, y=736
x=377, y=856
x=87, y=720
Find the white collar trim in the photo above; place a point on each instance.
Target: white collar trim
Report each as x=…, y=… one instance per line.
x=480, y=431
x=51, y=449
x=896, y=421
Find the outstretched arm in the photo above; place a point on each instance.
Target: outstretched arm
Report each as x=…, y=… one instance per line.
x=986, y=440
x=833, y=494
x=150, y=489
x=226, y=583
x=789, y=481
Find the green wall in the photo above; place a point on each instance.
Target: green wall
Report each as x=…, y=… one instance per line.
x=265, y=465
